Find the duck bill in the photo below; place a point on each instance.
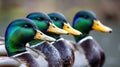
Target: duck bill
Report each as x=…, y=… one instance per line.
x=70, y=30
x=97, y=25
x=54, y=29
x=41, y=36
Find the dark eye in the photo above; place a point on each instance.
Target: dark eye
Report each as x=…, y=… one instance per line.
x=27, y=26
x=40, y=18
x=54, y=18
x=86, y=17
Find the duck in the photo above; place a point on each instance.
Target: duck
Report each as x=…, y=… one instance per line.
x=18, y=33
x=44, y=23
x=86, y=21
x=63, y=45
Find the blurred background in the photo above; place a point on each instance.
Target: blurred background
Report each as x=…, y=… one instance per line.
x=107, y=11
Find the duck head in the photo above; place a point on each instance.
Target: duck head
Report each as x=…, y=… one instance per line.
x=18, y=33
x=86, y=20
x=60, y=21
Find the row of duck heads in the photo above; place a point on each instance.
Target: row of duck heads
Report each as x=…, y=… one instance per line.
x=61, y=53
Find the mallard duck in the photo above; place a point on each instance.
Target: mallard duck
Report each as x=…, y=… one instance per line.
x=18, y=33
x=45, y=24
x=63, y=46
x=86, y=21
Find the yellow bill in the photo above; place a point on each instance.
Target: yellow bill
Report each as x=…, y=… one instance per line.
x=70, y=30
x=97, y=25
x=55, y=29
x=42, y=36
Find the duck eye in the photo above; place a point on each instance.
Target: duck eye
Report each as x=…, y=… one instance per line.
x=55, y=19
x=86, y=17
x=26, y=26
x=40, y=18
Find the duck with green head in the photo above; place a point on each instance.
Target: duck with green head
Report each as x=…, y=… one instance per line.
x=18, y=33
x=86, y=21
x=61, y=44
x=45, y=24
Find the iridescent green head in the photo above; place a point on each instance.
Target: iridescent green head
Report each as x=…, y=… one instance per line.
x=18, y=33
x=60, y=21
x=40, y=19
x=85, y=21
